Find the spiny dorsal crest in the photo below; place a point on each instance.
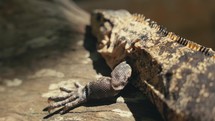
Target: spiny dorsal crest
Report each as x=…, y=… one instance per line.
x=163, y=31
x=190, y=44
x=138, y=17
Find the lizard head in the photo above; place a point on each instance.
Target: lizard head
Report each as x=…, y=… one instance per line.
x=104, y=21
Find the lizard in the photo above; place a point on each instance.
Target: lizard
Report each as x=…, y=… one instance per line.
x=177, y=75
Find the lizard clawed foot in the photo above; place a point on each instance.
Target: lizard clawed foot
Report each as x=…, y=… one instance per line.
x=104, y=87
x=69, y=100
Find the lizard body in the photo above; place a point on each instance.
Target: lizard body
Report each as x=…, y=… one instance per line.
x=178, y=75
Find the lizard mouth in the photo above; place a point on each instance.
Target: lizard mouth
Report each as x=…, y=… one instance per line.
x=105, y=31
x=106, y=28
x=102, y=27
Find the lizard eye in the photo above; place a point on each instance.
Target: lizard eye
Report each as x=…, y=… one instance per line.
x=99, y=17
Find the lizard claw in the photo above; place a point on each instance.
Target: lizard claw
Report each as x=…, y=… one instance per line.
x=71, y=105
x=69, y=100
x=104, y=87
x=65, y=90
x=78, y=85
x=48, y=108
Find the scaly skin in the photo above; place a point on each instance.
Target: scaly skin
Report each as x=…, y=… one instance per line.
x=104, y=87
x=178, y=75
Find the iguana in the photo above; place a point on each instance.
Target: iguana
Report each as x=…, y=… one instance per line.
x=177, y=75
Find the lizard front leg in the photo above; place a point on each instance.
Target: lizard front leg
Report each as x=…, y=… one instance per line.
x=104, y=87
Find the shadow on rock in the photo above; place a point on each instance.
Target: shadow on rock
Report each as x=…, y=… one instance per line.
x=139, y=105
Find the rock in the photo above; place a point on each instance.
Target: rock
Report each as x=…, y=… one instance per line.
x=29, y=76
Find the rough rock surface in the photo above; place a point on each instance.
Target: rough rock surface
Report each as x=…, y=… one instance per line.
x=28, y=79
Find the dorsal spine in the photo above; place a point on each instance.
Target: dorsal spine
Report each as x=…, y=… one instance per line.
x=163, y=31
